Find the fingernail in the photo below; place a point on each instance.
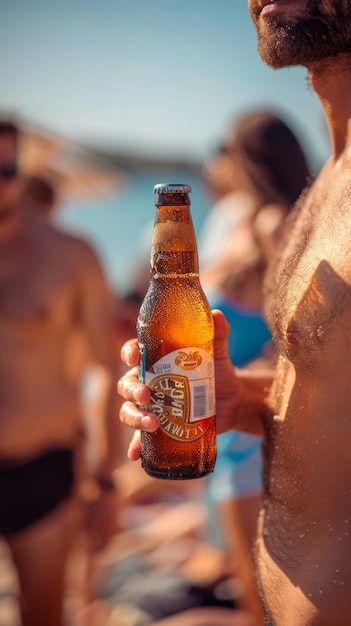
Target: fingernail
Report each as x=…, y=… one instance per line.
x=126, y=354
x=145, y=422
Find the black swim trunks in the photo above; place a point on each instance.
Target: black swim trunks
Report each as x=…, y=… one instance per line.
x=29, y=491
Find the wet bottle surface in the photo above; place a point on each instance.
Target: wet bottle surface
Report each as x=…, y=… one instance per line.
x=175, y=334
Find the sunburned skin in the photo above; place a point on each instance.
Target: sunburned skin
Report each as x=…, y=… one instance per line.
x=304, y=545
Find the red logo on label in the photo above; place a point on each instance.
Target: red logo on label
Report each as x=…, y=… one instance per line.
x=188, y=361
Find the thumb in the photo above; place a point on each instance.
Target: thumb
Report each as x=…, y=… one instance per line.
x=221, y=332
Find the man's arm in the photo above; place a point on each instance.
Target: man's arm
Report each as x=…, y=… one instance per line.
x=97, y=306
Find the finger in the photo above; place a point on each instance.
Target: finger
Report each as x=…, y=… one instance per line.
x=130, y=388
x=134, y=449
x=130, y=353
x=222, y=330
x=133, y=416
x=221, y=324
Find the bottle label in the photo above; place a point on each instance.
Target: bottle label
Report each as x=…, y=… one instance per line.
x=182, y=392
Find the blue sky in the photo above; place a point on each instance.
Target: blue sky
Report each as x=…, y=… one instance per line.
x=157, y=76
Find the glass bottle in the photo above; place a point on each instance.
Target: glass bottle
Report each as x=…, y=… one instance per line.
x=175, y=334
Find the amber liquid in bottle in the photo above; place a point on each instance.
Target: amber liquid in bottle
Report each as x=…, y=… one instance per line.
x=175, y=334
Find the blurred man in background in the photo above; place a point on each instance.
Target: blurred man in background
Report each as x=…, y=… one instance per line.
x=51, y=288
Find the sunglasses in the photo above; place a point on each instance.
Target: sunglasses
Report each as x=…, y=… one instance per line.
x=7, y=172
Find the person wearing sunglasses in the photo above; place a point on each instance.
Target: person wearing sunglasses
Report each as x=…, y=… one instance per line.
x=9, y=182
x=52, y=289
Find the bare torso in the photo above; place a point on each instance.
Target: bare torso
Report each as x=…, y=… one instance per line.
x=42, y=297
x=305, y=528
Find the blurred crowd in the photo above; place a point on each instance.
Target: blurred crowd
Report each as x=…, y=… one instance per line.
x=88, y=539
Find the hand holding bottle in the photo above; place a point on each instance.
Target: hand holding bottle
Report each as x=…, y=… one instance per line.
x=240, y=395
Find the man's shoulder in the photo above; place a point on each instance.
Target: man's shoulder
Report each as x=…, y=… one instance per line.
x=71, y=248
x=69, y=240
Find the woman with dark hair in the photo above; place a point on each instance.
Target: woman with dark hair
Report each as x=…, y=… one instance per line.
x=260, y=164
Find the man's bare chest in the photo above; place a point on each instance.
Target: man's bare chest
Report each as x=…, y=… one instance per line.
x=35, y=292
x=313, y=280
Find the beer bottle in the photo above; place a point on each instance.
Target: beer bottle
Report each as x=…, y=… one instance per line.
x=175, y=334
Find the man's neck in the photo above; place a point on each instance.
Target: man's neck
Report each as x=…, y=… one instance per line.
x=331, y=80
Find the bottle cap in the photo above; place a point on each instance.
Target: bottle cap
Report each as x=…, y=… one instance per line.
x=163, y=188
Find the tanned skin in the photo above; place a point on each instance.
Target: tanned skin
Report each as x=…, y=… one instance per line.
x=52, y=291
x=304, y=537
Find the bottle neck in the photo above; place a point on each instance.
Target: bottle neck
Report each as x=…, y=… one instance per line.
x=174, y=250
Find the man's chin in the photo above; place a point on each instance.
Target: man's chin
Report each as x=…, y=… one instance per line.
x=279, y=56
